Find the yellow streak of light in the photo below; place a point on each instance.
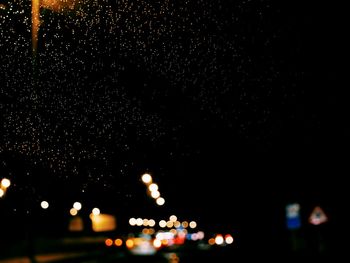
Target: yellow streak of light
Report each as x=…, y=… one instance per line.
x=35, y=25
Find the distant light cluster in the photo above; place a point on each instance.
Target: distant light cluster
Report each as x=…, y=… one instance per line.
x=152, y=189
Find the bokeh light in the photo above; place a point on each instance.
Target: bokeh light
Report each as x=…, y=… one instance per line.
x=44, y=205
x=118, y=242
x=160, y=201
x=145, y=222
x=211, y=241
x=155, y=194
x=129, y=243
x=219, y=240
x=109, y=242
x=153, y=187
x=157, y=243
x=173, y=218
x=132, y=221
x=193, y=224
x=146, y=178
x=139, y=222
x=5, y=183
x=96, y=211
x=151, y=223
x=228, y=239
x=162, y=223
x=170, y=224
x=77, y=206
x=73, y=211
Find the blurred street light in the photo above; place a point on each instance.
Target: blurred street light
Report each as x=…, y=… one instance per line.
x=132, y=221
x=229, y=239
x=173, y=218
x=77, y=205
x=162, y=223
x=151, y=223
x=44, y=205
x=73, y=211
x=146, y=178
x=153, y=187
x=96, y=211
x=155, y=194
x=5, y=183
x=193, y=224
x=219, y=239
x=160, y=201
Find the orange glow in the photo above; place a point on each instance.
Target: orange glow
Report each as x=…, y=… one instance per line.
x=129, y=243
x=165, y=242
x=184, y=224
x=211, y=241
x=35, y=24
x=145, y=222
x=118, y=242
x=151, y=231
x=2, y=192
x=76, y=224
x=59, y=5
x=145, y=231
x=173, y=258
x=103, y=223
x=109, y=242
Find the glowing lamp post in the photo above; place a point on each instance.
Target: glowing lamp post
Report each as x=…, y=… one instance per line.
x=4, y=184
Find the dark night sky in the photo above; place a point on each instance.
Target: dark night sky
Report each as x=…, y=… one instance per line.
x=231, y=105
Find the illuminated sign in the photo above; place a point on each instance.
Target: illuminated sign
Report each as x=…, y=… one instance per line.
x=293, y=216
x=318, y=216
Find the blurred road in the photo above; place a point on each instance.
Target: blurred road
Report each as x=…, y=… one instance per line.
x=185, y=254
